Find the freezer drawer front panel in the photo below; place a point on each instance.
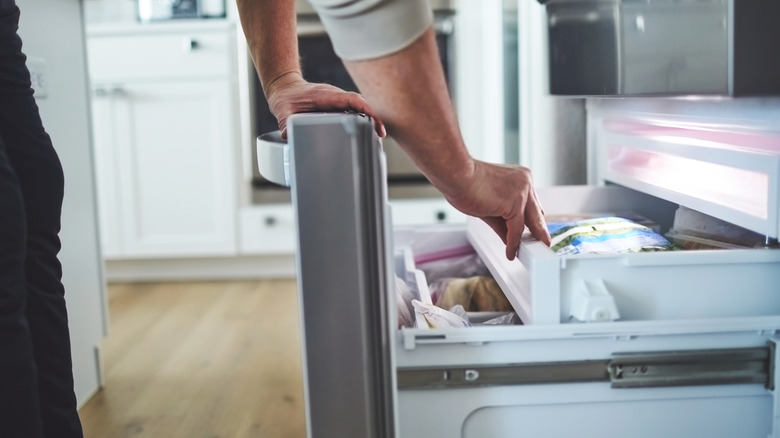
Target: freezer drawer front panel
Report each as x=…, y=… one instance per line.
x=587, y=410
x=567, y=381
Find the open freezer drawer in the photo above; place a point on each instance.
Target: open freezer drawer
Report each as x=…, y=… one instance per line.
x=708, y=373
x=545, y=288
x=649, y=374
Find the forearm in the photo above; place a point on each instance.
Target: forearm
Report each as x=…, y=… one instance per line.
x=269, y=27
x=408, y=91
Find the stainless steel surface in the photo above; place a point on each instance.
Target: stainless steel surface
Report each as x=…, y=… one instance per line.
x=343, y=275
x=663, y=47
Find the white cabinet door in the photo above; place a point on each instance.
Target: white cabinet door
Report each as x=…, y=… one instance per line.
x=174, y=169
x=105, y=155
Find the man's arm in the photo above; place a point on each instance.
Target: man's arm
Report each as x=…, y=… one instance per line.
x=269, y=26
x=408, y=90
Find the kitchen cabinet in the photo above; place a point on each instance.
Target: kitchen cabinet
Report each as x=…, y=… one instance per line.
x=164, y=125
x=270, y=228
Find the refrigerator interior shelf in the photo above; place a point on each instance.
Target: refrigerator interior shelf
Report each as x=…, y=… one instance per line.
x=733, y=176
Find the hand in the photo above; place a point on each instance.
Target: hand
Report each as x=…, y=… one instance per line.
x=291, y=94
x=503, y=197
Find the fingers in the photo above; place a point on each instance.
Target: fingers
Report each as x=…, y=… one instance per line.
x=354, y=102
x=283, y=127
x=307, y=97
x=498, y=225
x=534, y=219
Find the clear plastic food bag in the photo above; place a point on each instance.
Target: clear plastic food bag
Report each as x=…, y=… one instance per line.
x=438, y=317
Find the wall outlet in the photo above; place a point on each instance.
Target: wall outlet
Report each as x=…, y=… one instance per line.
x=38, y=76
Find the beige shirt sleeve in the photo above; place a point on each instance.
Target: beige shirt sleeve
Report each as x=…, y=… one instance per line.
x=365, y=29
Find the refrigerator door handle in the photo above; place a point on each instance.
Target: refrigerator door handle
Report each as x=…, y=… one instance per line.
x=273, y=158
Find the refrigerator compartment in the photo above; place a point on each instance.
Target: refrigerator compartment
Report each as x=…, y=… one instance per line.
x=422, y=246
x=731, y=175
x=544, y=288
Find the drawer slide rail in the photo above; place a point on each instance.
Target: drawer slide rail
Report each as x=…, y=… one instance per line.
x=622, y=370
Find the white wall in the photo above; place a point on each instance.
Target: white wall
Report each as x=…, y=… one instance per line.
x=52, y=31
x=552, y=129
x=479, y=77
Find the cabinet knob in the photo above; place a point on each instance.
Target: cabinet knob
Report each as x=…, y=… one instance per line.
x=270, y=221
x=189, y=44
x=441, y=216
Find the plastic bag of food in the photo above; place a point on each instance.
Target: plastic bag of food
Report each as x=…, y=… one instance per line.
x=403, y=301
x=438, y=317
x=506, y=319
x=605, y=235
x=475, y=294
x=459, y=266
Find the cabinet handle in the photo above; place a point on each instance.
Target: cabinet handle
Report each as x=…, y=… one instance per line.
x=270, y=221
x=112, y=91
x=441, y=216
x=188, y=44
x=118, y=91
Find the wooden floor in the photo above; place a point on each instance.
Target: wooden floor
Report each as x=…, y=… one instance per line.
x=197, y=360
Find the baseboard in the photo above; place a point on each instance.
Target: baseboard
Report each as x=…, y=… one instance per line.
x=222, y=268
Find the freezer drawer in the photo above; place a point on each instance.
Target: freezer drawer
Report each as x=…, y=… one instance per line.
x=660, y=370
x=545, y=288
x=519, y=396
x=705, y=375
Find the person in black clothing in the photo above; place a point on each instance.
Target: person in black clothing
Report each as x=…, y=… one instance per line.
x=36, y=372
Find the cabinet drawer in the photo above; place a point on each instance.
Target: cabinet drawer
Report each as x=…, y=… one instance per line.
x=424, y=211
x=141, y=57
x=269, y=229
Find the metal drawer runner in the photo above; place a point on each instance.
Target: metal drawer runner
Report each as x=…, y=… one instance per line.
x=623, y=370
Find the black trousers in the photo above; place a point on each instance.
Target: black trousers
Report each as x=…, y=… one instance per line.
x=36, y=375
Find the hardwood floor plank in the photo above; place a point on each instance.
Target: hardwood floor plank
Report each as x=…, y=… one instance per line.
x=188, y=360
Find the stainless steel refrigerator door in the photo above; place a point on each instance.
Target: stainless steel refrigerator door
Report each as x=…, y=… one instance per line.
x=338, y=192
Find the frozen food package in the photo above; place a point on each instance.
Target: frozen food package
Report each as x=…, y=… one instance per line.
x=505, y=319
x=623, y=214
x=458, y=266
x=696, y=230
x=476, y=294
x=403, y=300
x=438, y=317
x=604, y=235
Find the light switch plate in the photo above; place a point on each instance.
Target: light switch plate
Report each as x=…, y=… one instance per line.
x=38, y=76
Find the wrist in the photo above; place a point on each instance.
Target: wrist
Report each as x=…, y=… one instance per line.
x=280, y=81
x=459, y=178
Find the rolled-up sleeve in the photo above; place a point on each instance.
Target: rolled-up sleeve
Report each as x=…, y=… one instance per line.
x=365, y=29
